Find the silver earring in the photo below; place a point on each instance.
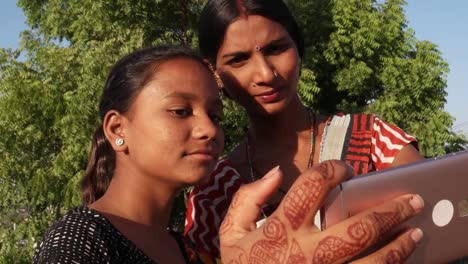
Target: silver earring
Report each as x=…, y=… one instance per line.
x=119, y=142
x=275, y=73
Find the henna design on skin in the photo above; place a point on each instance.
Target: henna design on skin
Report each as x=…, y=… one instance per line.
x=274, y=229
x=225, y=225
x=273, y=249
x=300, y=199
x=395, y=257
x=333, y=248
x=361, y=233
x=296, y=256
x=240, y=257
x=386, y=221
x=235, y=200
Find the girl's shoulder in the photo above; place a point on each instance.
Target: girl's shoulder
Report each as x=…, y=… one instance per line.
x=73, y=237
x=83, y=235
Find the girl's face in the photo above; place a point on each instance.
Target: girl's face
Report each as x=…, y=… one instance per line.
x=259, y=64
x=172, y=129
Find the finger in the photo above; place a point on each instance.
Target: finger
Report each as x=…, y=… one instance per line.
x=246, y=206
x=396, y=251
x=357, y=233
x=306, y=195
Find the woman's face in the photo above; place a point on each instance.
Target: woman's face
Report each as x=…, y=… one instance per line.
x=173, y=132
x=259, y=65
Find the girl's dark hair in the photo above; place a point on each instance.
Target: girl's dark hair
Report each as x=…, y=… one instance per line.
x=217, y=15
x=124, y=82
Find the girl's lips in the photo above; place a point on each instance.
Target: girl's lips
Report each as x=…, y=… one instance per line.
x=202, y=157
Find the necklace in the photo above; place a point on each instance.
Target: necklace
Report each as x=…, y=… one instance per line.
x=249, y=152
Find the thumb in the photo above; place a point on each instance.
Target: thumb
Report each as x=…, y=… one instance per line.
x=246, y=206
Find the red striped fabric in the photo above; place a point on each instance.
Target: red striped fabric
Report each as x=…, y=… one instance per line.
x=387, y=141
x=208, y=205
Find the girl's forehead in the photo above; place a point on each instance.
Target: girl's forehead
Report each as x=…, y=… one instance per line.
x=182, y=76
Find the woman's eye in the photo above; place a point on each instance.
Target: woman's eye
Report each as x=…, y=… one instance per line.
x=216, y=118
x=275, y=49
x=181, y=112
x=237, y=61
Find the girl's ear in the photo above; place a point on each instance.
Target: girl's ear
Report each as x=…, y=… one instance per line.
x=113, y=126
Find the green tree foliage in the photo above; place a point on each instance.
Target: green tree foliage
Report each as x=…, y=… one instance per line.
x=360, y=57
x=366, y=59
x=49, y=97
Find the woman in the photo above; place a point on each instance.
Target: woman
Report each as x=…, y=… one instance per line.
x=256, y=48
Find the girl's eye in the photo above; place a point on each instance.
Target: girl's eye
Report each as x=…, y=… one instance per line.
x=181, y=112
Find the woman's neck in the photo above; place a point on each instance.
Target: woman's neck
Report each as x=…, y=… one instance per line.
x=293, y=120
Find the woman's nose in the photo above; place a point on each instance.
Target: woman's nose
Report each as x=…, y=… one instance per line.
x=264, y=72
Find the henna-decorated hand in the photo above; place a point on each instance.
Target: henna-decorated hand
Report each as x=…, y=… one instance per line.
x=289, y=234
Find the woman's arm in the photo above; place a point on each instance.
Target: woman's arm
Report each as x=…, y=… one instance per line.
x=406, y=155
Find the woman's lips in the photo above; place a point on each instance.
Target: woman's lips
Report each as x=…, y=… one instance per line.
x=270, y=96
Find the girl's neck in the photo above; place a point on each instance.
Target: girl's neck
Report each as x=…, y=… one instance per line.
x=141, y=213
x=132, y=200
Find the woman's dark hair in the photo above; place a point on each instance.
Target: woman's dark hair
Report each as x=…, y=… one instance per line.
x=124, y=82
x=217, y=15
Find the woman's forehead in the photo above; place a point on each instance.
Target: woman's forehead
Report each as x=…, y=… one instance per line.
x=252, y=30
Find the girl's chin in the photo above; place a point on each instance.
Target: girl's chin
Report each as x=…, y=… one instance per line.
x=200, y=177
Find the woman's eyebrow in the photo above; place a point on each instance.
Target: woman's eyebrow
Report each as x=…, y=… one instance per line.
x=235, y=54
x=242, y=53
x=277, y=41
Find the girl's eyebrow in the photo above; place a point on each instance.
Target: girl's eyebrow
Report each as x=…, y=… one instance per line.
x=184, y=95
x=191, y=97
x=241, y=53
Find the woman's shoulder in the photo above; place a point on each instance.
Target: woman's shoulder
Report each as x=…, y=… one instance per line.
x=360, y=121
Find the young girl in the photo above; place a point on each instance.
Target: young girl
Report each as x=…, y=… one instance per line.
x=256, y=47
x=160, y=132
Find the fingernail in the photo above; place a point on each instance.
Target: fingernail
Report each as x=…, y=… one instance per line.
x=416, y=235
x=271, y=173
x=350, y=170
x=417, y=202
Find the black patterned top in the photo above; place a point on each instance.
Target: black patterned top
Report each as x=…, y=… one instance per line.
x=84, y=235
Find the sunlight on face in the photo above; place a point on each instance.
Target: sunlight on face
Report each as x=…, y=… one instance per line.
x=173, y=131
x=259, y=64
